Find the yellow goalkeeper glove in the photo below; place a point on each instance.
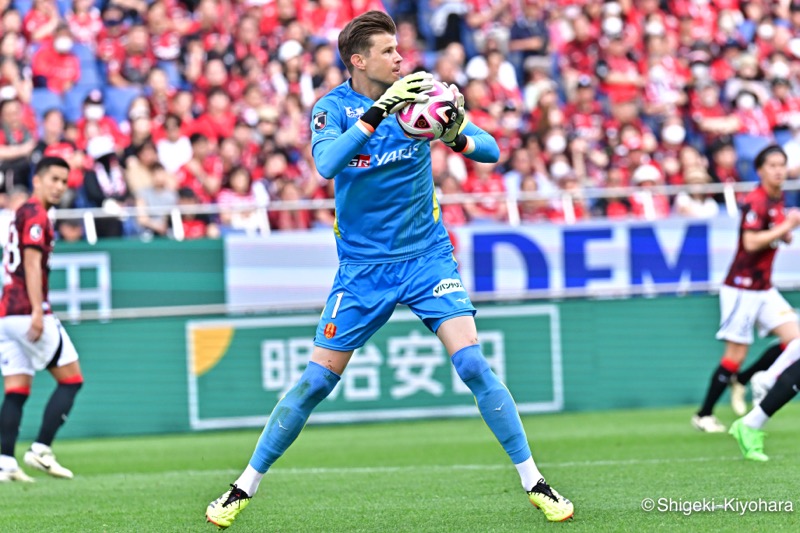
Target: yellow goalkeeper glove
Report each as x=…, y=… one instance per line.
x=411, y=88
x=453, y=137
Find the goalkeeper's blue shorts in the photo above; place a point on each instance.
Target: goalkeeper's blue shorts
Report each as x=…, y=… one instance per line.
x=365, y=296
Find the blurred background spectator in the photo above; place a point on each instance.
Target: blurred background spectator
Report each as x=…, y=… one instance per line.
x=214, y=96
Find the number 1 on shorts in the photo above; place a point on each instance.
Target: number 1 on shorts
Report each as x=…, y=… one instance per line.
x=338, y=302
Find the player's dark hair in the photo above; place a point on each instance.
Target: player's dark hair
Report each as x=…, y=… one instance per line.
x=761, y=158
x=50, y=161
x=356, y=37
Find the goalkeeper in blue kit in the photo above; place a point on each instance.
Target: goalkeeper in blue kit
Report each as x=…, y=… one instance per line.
x=393, y=248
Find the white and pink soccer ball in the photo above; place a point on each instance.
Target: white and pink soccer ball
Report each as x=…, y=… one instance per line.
x=429, y=120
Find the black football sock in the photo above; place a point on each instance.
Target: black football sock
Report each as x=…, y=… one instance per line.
x=10, y=418
x=785, y=388
x=764, y=362
x=719, y=382
x=55, y=414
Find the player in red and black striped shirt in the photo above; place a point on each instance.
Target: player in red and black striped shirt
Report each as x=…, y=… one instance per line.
x=748, y=299
x=31, y=337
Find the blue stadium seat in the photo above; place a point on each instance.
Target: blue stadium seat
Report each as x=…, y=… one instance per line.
x=91, y=75
x=117, y=101
x=43, y=100
x=173, y=73
x=783, y=136
x=747, y=147
x=64, y=7
x=23, y=6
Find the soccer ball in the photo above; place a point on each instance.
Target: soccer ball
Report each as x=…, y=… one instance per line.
x=429, y=120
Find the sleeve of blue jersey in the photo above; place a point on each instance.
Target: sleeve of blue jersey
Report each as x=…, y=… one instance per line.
x=486, y=149
x=331, y=147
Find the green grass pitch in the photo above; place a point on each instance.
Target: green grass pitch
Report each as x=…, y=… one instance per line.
x=435, y=476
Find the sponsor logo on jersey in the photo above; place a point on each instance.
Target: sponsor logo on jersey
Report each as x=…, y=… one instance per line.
x=360, y=161
x=751, y=217
x=354, y=113
x=330, y=330
x=396, y=155
x=35, y=232
x=446, y=286
x=320, y=120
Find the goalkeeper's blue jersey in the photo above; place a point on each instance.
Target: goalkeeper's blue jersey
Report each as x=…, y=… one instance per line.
x=386, y=206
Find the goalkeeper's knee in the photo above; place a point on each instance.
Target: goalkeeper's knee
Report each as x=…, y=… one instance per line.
x=470, y=363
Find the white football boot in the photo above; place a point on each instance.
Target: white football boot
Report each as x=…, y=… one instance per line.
x=708, y=424
x=45, y=461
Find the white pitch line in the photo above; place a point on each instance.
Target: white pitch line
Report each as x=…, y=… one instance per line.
x=369, y=470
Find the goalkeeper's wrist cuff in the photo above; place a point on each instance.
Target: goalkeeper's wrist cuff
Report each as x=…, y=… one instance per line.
x=373, y=118
x=460, y=144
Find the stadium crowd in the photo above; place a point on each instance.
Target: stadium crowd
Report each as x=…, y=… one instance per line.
x=166, y=102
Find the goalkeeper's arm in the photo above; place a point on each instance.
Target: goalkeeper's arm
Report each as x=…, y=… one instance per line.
x=476, y=144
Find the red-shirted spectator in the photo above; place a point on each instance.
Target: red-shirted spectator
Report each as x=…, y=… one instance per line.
x=236, y=201
x=620, y=76
x=533, y=210
x=85, y=22
x=165, y=41
x=289, y=191
x=16, y=144
x=195, y=226
x=327, y=17
x=95, y=123
x=752, y=119
x=218, y=121
x=783, y=110
x=41, y=22
x=701, y=17
x=214, y=76
x=135, y=62
x=626, y=113
x=722, y=67
x=109, y=41
x=667, y=155
x=646, y=203
x=160, y=95
x=615, y=207
x=723, y=167
x=581, y=53
x=585, y=116
x=574, y=209
x=54, y=65
x=249, y=42
x=708, y=114
x=485, y=179
x=203, y=172
x=453, y=215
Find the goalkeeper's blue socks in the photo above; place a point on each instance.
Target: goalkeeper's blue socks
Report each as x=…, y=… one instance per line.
x=498, y=410
x=286, y=422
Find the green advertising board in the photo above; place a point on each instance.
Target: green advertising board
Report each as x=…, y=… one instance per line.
x=402, y=372
x=120, y=274
x=177, y=374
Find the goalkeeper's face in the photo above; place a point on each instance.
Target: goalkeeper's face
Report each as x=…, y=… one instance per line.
x=382, y=61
